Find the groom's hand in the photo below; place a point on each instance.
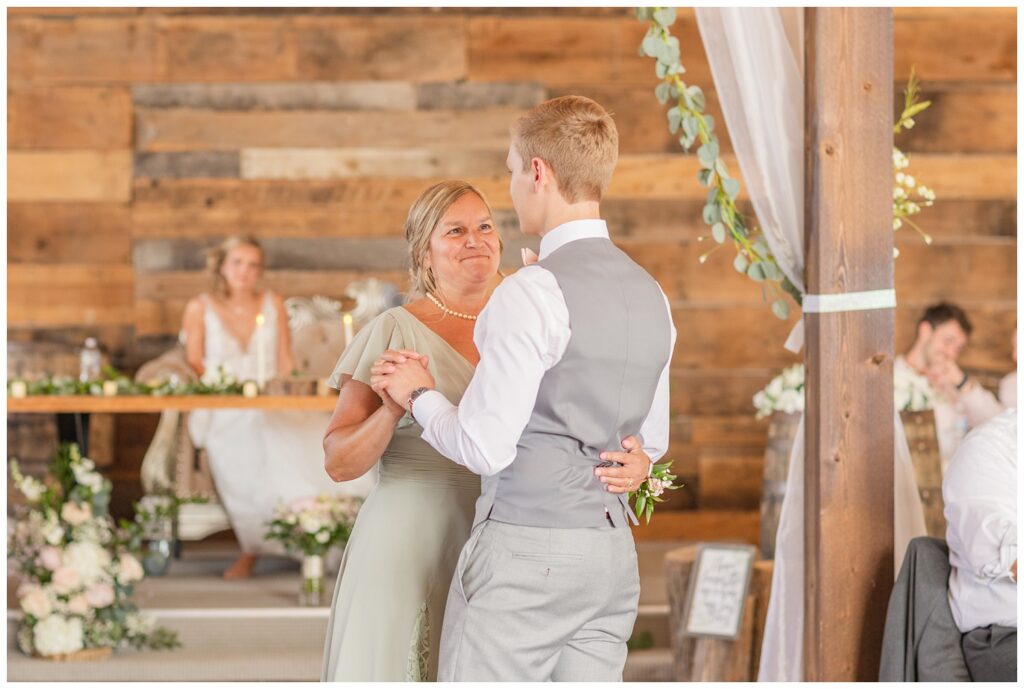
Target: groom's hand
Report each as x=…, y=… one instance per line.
x=636, y=466
x=398, y=372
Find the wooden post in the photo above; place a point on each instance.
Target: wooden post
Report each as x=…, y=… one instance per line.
x=849, y=422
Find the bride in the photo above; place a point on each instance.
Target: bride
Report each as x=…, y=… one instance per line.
x=258, y=458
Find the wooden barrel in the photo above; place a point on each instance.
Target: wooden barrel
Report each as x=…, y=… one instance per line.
x=699, y=659
x=781, y=433
x=923, y=441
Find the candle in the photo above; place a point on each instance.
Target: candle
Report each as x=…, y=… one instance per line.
x=347, y=320
x=261, y=355
x=109, y=388
x=250, y=389
x=19, y=389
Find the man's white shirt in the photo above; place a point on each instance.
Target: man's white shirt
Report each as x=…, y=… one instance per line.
x=521, y=334
x=980, y=495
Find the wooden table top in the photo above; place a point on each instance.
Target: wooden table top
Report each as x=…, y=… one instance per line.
x=151, y=404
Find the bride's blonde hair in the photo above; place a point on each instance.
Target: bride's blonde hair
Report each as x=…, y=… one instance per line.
x=216, y=256
x=424, y=215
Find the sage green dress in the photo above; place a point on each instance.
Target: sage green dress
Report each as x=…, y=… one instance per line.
x=389, y=602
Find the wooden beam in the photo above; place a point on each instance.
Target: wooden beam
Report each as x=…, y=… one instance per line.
x=848, y=512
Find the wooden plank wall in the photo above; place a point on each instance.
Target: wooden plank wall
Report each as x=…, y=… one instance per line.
x=136, y=138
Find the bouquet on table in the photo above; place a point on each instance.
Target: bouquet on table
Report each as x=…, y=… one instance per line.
x=785, y=393
x=310, y=527
x=76, y=569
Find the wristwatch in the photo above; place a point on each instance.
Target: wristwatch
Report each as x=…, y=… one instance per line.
x=414, y=394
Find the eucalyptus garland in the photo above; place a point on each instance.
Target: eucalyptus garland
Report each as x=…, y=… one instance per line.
x=687, y=119
x=219, y=383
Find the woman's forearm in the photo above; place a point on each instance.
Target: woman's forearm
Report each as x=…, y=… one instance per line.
x=351, y=451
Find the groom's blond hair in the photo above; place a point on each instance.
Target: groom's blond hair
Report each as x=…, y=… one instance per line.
x=578, y=140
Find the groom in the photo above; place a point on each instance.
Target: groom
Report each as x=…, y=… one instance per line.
x=574, y=354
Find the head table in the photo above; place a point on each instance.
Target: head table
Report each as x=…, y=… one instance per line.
x=142, y=404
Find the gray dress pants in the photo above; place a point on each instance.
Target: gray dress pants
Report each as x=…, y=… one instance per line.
x=537, y=604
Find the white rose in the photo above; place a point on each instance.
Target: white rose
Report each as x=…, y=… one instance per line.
x=310, y=523
x=57, y=634
x=76, y=514
x=129, y=569
x=791, y=401
x=793, y=376
x=775, y=387
x=100, y=595
x=53, y=533
x=90, y=560
x=31, y=488
x=65, y=580
x=322, y=537
x=36, y=603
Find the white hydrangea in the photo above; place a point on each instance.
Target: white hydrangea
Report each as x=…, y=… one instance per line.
x=128, y=569
x=58, y=634
x=310, y=523
x=89, y=560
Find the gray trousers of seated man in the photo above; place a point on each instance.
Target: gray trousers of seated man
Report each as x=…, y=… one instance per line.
x=537, y=604
x=991, y=653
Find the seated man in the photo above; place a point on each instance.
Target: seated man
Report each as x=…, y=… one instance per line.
x=942, y=333
x=980, y=494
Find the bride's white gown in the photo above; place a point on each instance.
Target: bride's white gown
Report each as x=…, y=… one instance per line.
x=260, y=458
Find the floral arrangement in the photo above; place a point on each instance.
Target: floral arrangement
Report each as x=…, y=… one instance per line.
x=650, y=491
x=76, y=568
x=785, y=393
x=687, y=119
x=311, y=526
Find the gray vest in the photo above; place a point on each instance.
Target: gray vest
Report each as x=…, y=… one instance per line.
x=597, y=394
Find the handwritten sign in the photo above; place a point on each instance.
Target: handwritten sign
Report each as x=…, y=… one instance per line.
x=718, y=590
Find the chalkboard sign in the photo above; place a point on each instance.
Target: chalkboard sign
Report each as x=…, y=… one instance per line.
x=718, y=590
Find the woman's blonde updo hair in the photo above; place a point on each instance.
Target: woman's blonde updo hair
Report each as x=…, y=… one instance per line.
x=426, y=214
x=216, y=256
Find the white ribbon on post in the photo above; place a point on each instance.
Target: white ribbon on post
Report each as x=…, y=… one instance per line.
x=839, y=303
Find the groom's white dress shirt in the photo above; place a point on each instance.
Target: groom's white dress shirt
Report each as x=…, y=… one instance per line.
x=980, y=495
x=521, y=334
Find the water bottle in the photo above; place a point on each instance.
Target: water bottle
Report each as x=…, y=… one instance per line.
x=91, y=361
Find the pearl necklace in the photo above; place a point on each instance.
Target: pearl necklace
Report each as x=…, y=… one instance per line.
x=450, y=312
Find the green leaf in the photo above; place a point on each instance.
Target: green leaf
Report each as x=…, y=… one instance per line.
x=665, y=16
x=641, y=502
x=704, y=176
x=731, y=187
x=720, y=168
x=740, y=263
x=644, y=13
x=709, y=123
x=661, y=92
x=711, y=214
x=651, y=44
x=718, y=232
x=708, y=153
x=772, y=271
x=712, y=195
x=674, y=118
x=914, y=109
x=690, y=126
x=781, y=308
x=756, y=272
x=661, y=70
x=673, y=49
x=697, y=96
x=650, y=511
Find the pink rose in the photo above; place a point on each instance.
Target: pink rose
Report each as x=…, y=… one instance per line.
x=75, y=514
x=50, y=558
x=100, y=595
x=129, y=569
x=65, y=580
x=79, y=605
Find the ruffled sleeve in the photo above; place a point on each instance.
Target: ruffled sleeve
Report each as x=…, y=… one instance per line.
x=377, y=336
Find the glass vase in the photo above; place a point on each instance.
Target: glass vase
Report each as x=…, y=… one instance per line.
x=312, y=580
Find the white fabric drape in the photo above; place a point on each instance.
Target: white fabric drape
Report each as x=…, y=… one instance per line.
x=756, y=59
